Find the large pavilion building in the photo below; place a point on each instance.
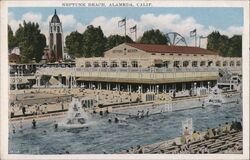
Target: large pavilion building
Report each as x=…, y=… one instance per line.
x=149, y=67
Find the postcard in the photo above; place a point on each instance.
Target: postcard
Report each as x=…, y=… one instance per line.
x=125, y=80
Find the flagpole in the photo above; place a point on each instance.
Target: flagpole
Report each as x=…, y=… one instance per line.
x=125, y=30
x=195, y=39
x=135, y=34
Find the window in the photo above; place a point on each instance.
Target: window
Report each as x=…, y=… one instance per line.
x=202, y=63
x=124, y=64
x=58, y=29
x=194, y=64
x=176, y=64
x=153, y=53
x=162, y=54
x=96, y=64
x=165, y=64
x=195, y=54
x=134, y=64
x=238, y=63
x=179, y=54
x=104, y=64
x=171, y=54
x=87, y=64
x=218, y=64
x=185, y=64
x=202, y=55
x=224, y=63
x=114, y=64
x=232, y=63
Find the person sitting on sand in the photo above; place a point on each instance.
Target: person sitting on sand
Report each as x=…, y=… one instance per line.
x=195, y=136
x=226, y=128
x=210, y=133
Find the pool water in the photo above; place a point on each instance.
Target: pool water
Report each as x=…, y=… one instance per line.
x=107, y=137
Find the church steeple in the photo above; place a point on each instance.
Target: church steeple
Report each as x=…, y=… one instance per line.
x=55, y=12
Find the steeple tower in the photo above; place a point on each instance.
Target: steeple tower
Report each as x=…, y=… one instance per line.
x=56, y=38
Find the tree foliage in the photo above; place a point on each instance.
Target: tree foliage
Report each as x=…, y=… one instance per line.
x=74, y=43
x=153, y=37
x=30, y=41
x=11, y=39
x=115, y=40
x=93, y=42
x=224, y=45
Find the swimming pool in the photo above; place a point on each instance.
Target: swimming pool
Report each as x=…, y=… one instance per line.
x=107, y=137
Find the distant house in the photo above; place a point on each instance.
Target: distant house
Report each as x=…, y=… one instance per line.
x=14, y=58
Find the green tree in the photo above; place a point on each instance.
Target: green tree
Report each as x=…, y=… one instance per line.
x=11, y=39
x=114, y=40
x=223, y=45
x=235, y=48
x=30, y=41
x=93, y=42
x=153, y=37
x=213, y=41
x=74, y=43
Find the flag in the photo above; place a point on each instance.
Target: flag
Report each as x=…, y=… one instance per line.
x=133, y=29
x=122, y=22
x=193, y=33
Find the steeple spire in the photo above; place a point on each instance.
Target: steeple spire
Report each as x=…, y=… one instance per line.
x=55, y=12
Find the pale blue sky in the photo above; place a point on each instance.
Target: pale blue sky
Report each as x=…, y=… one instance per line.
x=226, y=20
x=218, y=17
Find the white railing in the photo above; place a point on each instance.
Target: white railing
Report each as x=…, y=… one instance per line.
x=131, y=70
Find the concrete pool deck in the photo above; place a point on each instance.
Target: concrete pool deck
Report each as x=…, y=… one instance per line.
x=53, y=102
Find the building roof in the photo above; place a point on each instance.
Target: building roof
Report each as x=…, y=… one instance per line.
x=55, y=18
x=13, y=55
x=160, y=48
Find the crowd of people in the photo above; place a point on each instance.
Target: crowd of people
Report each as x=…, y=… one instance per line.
x=198, y=142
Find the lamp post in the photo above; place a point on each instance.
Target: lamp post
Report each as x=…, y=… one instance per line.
x=15, y=80
x=157, y=91
x=195, y=90
x=208, y=86
x=139, y=90
x=71, y=78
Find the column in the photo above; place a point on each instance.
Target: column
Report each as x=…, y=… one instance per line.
x=71, y=79
x=36, y=81
x=15, y=81
x=66, y=83
x=39, y=83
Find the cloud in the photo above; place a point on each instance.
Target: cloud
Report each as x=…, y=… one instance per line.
x=164, y=22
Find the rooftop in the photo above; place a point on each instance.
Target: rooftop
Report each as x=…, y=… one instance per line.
x=161, y=48
x=55, y=18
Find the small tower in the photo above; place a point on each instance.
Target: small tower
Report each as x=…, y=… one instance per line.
x=56, y=38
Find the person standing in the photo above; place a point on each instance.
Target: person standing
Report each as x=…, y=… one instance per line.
x=24, y=110
x=34, y=124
